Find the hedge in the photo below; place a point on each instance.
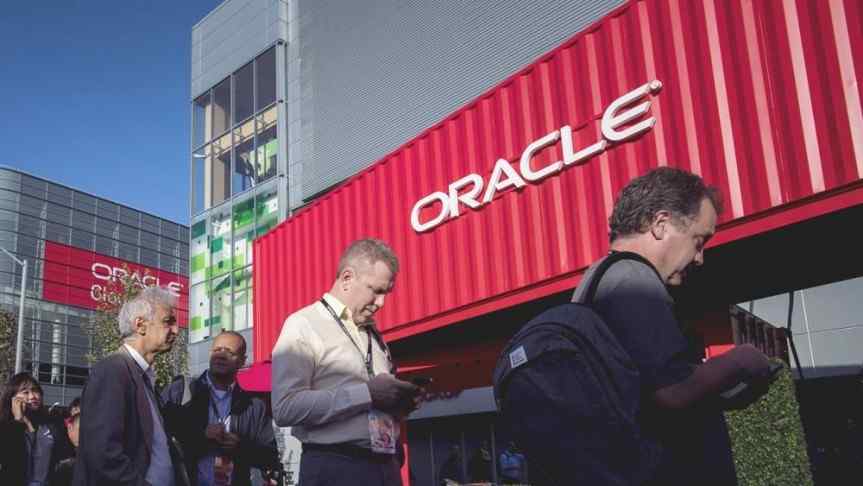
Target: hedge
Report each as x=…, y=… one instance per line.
x=767, y=439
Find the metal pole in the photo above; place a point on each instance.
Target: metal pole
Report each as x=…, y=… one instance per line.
x=20, y=345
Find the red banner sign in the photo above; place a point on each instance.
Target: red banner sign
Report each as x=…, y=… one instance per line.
x=84, y=278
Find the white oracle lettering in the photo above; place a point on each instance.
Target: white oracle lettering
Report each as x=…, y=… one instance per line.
x=611, y=119
x=468, y=198
x=175, y=288
x=102, y=271
x=570, y=157
x=535, y=176
x=149, y=280
x=495, y=183
x=427, y=201
x=615, y=128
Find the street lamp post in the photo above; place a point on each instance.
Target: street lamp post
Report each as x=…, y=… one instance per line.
x=20, y=342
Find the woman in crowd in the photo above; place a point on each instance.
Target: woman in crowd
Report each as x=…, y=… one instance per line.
x=32, y=442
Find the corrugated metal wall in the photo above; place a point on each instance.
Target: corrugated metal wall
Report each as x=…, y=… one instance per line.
x=375, y=73
x=761, y=98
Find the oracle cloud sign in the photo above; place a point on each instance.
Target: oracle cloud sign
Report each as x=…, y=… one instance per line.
x=83, y=278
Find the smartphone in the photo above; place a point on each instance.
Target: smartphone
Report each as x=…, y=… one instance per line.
x=421, y=380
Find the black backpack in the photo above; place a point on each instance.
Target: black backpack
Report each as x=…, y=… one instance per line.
x=570, y=394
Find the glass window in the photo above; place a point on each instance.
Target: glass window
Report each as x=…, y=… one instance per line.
x=267, y=209
x=29, y=225
x=149, y=258
x=127, y=252
x=268, y=145
x=106, y=246
x=200, y=189
x=169, y=246
x=199, y=301
x=83, y=221
x=82, y=239
x=84, y=202
x=200, y=253
x=220, y=241
x=58, y=214
x=266, y=78
x=172, y=230
x=169, y=263
x=202, y=121
x=59, y=194
x=32, y=206
x=221, y=107
x=107, y=209
x=149, y=223
x=57, y=232
x=244, y=231
x=105, y=227
x=220, y=182
x=130, y=216
x=149, y=240
x=10, y=180
x=244, y=157
x=128, y=234
x=221, y=304
x=243, y=93
x=33, y=187
x=242, y=299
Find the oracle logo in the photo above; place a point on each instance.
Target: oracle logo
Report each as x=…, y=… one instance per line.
x=467, y=190
x=110, y=273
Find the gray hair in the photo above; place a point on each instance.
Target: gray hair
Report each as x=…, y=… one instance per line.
x=143, y=305
x=368, y=251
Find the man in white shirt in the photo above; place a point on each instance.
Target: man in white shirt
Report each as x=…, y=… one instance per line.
x=122, y=433
x=333, y=377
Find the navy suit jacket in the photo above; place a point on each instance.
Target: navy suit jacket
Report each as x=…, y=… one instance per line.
x=116, y=430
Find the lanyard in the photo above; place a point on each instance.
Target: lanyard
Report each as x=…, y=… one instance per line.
x=368, y=359
x=214, y=399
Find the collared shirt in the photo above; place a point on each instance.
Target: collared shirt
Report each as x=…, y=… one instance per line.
x=221, y=399
x=161, y=470
x=319, y=376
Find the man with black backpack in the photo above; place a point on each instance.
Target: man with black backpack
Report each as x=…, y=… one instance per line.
x=604, y=390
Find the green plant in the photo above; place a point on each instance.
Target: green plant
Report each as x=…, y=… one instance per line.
x=768, y=441
x=8, y=335
x=105, y=335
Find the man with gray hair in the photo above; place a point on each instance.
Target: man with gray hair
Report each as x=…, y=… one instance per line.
x=333, y=377
x=122, y=434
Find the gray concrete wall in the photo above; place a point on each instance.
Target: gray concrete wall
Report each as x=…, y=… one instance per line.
x=232, y=35
x=827, y=324
x=375, y=73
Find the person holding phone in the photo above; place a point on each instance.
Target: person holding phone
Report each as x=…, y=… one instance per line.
x=333, y=377
x=33, y=442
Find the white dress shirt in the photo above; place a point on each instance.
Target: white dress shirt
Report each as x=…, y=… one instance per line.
x=319, y=377
x=161, y=470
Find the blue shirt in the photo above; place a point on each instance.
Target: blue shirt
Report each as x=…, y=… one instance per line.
x=219, y=401
x=161, y=470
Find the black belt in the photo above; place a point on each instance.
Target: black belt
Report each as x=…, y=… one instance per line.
x=349, y=450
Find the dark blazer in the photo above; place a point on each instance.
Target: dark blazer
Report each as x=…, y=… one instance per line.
x=13, y=455
x=249, y=419
x=116, y=430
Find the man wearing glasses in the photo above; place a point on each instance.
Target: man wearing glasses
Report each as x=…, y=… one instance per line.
x=223, y=430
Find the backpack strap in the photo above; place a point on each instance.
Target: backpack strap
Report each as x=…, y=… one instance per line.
x=612, y=258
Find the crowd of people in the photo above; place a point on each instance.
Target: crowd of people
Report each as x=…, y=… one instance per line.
x=334, y=382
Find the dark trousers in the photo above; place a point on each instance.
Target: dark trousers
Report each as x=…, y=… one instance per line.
x=319, y=468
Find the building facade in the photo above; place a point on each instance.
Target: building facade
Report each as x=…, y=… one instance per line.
x=76, y=244
x=486, y=142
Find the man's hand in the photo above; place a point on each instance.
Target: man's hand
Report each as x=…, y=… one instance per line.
x=390, y=393
x=229, y=441
x=753, y=363
x=215, y=432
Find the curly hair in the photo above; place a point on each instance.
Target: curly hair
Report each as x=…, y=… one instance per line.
x=664, y=189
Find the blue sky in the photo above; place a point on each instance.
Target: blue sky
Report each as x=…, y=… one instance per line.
x=95, y=95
